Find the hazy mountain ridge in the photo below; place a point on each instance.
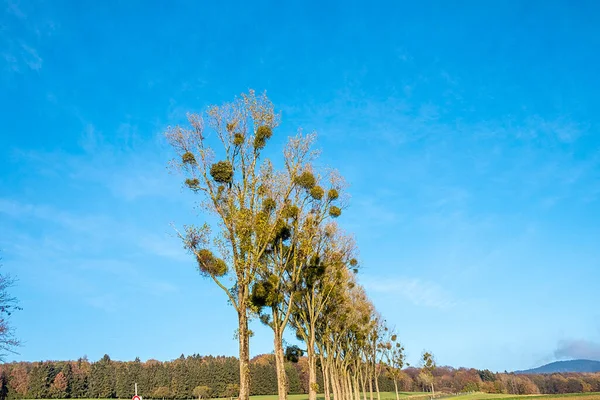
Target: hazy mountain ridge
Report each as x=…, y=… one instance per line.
x=565, y=366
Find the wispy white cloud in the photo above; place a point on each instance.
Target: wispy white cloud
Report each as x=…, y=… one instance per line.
x=31, y=57
x=11, y=62
x=23, y=34
x=74, y=253
x=416, y=291
x=373, y=212
x=561, y=128
x=577, y=349
x=152, y=181
x=168, y=246
x=403, y=55
x=16, y=209
x=13, y=8
x=126, y=271
x=91, y=139
x=102, y=229
x=20, y=56
x=128, y=167
x=106, y=302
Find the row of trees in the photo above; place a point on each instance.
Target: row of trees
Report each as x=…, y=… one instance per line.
x=450, y=380
x=205, y=377
x=276, y=251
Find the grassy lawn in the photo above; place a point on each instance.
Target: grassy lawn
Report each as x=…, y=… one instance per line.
x=482, y=396
x=384, y=396
x=423, y=396
x=471, y=396
x=579, y=396
x=485, y=396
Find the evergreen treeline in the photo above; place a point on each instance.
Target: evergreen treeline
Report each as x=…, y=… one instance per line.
x=208, y=376
x=182, y=378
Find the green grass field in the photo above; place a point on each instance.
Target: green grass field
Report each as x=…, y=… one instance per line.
x=423, y=396
x=471, y=396
x=485, y=396
x=384, y=396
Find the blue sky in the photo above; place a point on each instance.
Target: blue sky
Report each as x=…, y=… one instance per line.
x=467, y=131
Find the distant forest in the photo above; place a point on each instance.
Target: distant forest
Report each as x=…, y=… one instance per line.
x=208, y=376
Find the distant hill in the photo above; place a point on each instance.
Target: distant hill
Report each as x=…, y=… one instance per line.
x=565, y=366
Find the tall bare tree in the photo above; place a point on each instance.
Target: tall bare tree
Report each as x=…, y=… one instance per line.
x=427, y=367
x=8, y=304
x=293, y=255
x=394, y=359
x=342, y=334
x=322, y=283
x=244, y=192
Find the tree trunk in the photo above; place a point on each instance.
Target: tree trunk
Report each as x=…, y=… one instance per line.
x=335, y=381
x=432, y=391
x=280, y=364
x=346, y=384
x=331, y=379
x=377, y=383
x=244, y=344
x=396, y=386
x=349, y=392
x=325, y=372
x=312, y=368
x=371, y=387
x=363, y=383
